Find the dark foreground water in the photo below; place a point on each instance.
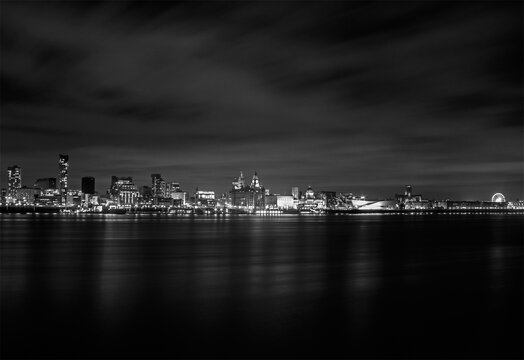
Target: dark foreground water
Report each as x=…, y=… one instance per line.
x=389, y=286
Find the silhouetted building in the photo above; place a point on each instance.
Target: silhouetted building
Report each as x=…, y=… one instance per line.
x=63, y=168
x=145, y=192
x=88, y=185
x=14, y=180
x=45, y=183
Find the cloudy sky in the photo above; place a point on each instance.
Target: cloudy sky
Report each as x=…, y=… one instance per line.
x=353, y=97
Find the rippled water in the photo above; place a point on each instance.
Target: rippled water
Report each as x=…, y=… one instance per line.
x=421, y=286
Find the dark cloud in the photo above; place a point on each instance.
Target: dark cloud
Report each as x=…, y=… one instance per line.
x=350, y=96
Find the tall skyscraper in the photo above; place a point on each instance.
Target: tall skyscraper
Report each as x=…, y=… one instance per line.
x=14, y=179
x=63, y=166
x=88, y=185
x=158, y=186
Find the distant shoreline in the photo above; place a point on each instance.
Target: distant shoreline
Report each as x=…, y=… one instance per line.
x=53, y=210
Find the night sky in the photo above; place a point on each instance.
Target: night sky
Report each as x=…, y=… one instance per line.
x=352, y=97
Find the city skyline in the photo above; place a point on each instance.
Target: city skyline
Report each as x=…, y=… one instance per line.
x=356, y=97
x=15, y=180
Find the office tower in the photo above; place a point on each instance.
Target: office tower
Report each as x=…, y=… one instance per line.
x=63, y=166
x=45, y=183
x=14, y=180
x=123, y=190
x=295, y=192
x=88, y=185
x=158, y=186
x=408, y=191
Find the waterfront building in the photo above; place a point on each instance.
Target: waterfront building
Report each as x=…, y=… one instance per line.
x=158, y=186
x=410, y=201
x=476, y=205
x=295, y=192
x=145, y=192
x=45, y=183
x=3, y=196
x=88, y=185
x=238, y=183
x=63, y=169
x=328, y=197
x=26, y=195
x=14, y=181
x=251, y=197
x=123, y=191
x=285, y=202
x=179, y=198
x=205, y=198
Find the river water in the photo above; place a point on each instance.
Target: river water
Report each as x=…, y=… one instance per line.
x=358, y=286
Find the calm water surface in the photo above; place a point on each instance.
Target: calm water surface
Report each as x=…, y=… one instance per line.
x=393, y=286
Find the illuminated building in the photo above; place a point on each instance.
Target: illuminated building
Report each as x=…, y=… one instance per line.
x=329, y=198
x=285, y=201
x=252, y=197
x=88, y=185
x=472, y=205
x=410, y=201
x=172, y=188
x=175, y=192
x=376, y=204
x=295, y=192
x=26, y=195
x=123, y=191
x=3, y=196
x=45, y=183
x=158, y=186
x=238, y=183
x=63, y=167
x=309, y=194
x=206, y=198
x=14, y=181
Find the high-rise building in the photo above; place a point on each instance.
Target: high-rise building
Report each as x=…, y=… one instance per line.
x=63, y=166
x=88, y=185
x=45, y=183
x=14, y=180
x=295, y=192
x=158, y=186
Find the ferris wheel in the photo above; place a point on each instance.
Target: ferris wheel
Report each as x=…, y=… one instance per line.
x=498, y=197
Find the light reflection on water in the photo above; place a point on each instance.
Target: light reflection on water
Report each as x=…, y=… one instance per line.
x=364, y=286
